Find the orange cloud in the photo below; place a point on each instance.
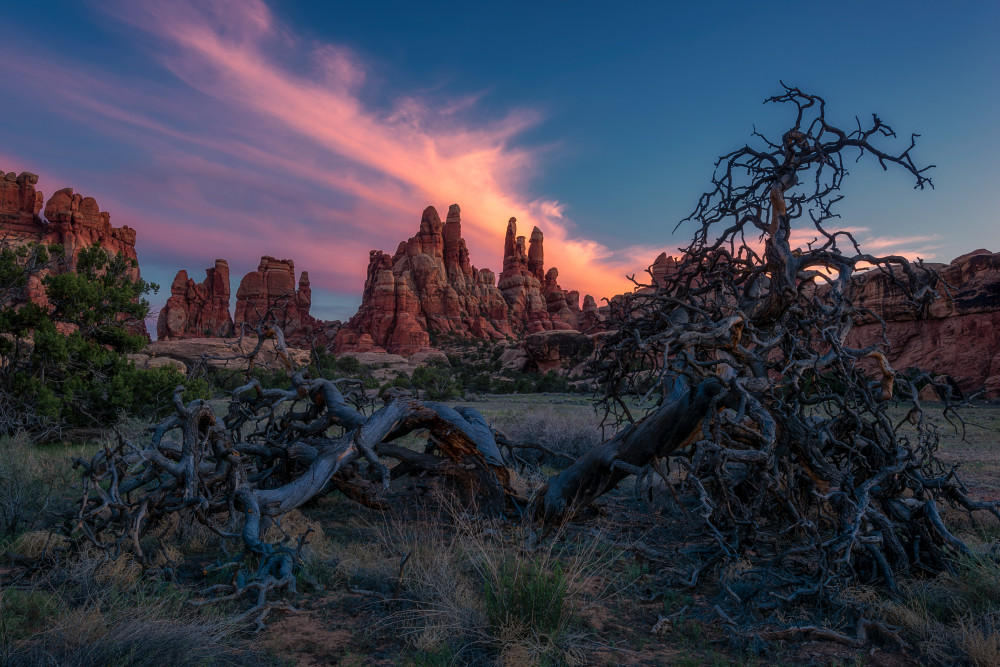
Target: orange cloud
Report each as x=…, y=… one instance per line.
x=419, y=153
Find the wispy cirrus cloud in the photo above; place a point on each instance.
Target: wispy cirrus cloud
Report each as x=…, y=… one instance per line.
x=391, y=162
x=260, y=141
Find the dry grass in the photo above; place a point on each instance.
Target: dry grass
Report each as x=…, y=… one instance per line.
x=33, y=482
x=464, y=590
x=953, y=614
x=93, y=611
x=569, y=428
x=470, y=592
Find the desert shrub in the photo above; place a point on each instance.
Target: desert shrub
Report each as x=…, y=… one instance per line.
x=65, y=364
x=528, y=596
x=346, y=365
x=426, y=571
x=552, y=382
x=535, y=602
x=436, y=381
x=463, y=591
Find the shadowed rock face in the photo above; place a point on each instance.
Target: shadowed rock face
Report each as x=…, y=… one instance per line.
x=202, y=310
x=71, y=220
x=957, y=334
x=429, y=287
x=197, y=310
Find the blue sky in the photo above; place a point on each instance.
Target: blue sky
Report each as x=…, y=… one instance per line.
x=318, y=131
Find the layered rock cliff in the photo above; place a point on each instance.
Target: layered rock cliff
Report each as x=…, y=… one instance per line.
x=429, y=287
x=68, y=219
x=957, y=334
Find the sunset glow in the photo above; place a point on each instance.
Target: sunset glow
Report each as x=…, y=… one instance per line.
x=260, y=137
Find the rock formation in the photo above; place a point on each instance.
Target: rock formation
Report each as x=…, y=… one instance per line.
x=957, y=334
x=197, y=310
x=536, y=301
x=521, y=283
x=590, y=317
x=270, y=292
x=71, y=220
x=202, y=310
x=428, y=288
x=20, y=203
x=661, y=267
x=191, y=353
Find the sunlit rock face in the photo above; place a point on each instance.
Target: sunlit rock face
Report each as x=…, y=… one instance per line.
x=957, y=334
x=429, y=289
x=67, y=219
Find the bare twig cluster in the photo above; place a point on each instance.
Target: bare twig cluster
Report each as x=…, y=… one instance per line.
x=270, y=452
x=784, y=431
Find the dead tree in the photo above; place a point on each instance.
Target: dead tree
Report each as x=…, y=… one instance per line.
x=272, y=451
x=790, y=452
x=784, y=431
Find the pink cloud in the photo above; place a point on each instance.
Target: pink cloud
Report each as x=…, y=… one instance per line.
x=269, y=147
x=395, y=163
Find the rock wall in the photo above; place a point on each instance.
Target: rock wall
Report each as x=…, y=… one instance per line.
x=429, y=287
x=71, y=220
x=957, y=334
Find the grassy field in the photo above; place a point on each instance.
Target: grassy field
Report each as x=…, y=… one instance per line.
x=427, y=584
